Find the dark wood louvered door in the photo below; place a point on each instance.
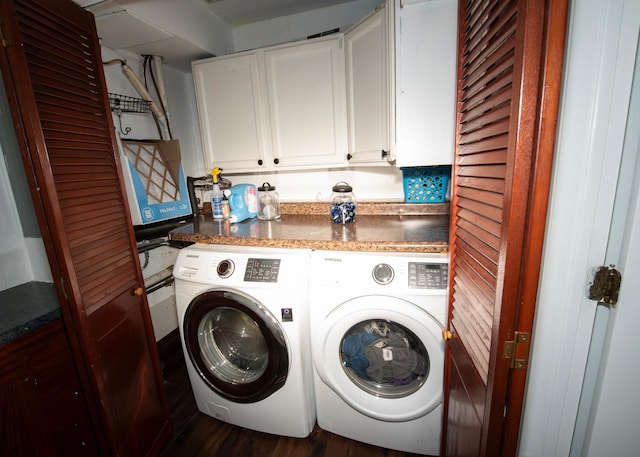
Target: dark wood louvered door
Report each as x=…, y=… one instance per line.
x=509, y=67
x=52, y=68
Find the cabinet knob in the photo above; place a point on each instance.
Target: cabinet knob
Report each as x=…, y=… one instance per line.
x=349, y=156
x=260, y=162
x=137, y=291
x=385, y=154
x=276, y=161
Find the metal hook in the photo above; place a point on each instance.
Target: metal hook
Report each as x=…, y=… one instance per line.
x=126, y=130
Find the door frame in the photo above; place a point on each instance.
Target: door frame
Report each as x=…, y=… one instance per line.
x=589, y=144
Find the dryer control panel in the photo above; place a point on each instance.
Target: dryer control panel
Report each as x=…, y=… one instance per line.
x=427, y=275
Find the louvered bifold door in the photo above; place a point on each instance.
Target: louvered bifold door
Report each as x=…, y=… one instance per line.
x=55, y=71
x=499, y=63
x=481, y=172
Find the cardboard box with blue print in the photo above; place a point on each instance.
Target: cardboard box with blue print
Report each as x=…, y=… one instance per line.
x=155, y=181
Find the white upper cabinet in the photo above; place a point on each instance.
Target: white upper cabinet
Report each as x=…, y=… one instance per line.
x=383, y=92
x=426, y=47
x=277, y=108
x=306, y=100
x=233, y=125
x=370, y=101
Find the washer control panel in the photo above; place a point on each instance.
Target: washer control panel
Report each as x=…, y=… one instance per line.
x=262, y=270
x=427, y=275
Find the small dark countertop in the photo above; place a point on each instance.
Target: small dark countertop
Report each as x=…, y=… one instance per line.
x=26, y=307
x=398, y=230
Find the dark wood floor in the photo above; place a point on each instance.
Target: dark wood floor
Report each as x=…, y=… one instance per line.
x=196, y=434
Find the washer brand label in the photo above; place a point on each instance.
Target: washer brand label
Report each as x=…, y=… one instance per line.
x=193, y=256
x=333, y=259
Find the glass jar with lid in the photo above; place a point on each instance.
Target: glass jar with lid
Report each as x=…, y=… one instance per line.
x=268, y=202
x=343, y=204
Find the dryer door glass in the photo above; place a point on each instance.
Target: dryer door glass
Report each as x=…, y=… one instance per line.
x=384, y=358
x=233, y=345
x=236, y=345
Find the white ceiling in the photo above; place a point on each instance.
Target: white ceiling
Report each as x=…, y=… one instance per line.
x=240, y=12
x=120, y=27
x=233, y=12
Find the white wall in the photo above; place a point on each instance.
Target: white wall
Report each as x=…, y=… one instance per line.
x=14, y=265
x=184, y=118
x=382, y=183
x=142, y=125
x=21, y=259
x=299, y=26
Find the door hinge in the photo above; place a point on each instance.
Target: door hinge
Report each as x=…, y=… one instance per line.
x=4, y=41
x=63, y=286
x=517, y=350
x=604, y=284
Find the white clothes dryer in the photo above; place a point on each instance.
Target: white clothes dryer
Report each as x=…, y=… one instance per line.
x=244, y=325
x=376, y=339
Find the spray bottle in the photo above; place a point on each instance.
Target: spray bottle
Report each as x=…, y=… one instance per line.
x=216, y=195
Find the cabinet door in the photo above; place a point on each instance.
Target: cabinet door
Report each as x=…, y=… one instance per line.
x=426, y=79
x=306, y=99
x=231, y=117
x=60, y=395
x=367, y=72
x=42, y=406
x=21, y=422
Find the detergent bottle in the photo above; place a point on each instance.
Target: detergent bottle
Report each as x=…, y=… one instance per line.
x=243, y=201
x=216, y=195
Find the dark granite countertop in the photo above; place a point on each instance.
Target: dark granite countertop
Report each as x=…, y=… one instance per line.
x=26, y=307
x=405, y=228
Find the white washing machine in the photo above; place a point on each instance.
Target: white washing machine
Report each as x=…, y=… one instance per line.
x=243, y=314
x=378, y=354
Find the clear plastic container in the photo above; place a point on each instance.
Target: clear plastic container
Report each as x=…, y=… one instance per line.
x=343, y=204
x=268, y=202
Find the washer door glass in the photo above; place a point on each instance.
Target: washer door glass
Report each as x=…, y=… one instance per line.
x=236, y=345
x=382, y=355
x=384, y=358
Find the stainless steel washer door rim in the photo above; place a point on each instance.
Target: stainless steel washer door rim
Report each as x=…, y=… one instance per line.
x=327, y=340
x=236, y=345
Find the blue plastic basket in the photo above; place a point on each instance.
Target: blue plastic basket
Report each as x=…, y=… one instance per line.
x=425, y=184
